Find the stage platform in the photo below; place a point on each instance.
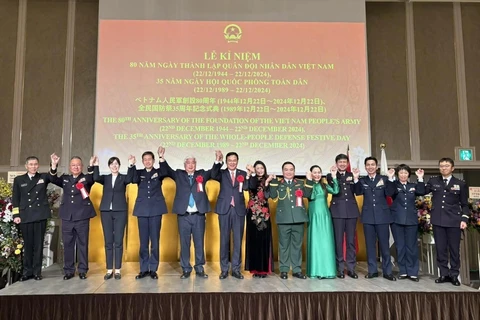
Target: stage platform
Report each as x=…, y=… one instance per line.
x=170, y=297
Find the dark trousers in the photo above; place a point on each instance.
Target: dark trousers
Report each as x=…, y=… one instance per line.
x=33, y=234
x=75, y=234
x=344, y=229
x=407, y=248
x=231, y=223
x=382, y=233
x=149, y=230
x=113, y=224
x=290, y=237
x=192, y=225
x=447, y=240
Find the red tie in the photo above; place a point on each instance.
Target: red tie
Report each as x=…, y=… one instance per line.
x=232, y=203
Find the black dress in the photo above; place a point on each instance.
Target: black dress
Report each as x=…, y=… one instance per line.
x=259, y=248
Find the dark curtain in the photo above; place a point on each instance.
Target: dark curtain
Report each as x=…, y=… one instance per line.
x=220, y=306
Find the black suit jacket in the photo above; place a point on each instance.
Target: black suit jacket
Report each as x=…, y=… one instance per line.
x=404, y=209
x=73, y=207
x=30, y=198
x=114, y=196
x=227, y=190
x=184, y=189
x=150, y=200
x=449, y=203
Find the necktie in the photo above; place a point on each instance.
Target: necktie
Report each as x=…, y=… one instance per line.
x=372, y=179
x=404, y=186
x=445, y=182
x=191, y=201
x=232, y=174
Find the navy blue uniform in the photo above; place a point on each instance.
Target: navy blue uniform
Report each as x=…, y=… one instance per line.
x=449, y=209
x=149, y=208
x=376, y=218
x=344, y=210
x=75, y=212
x=30, y=202
x=405, y=225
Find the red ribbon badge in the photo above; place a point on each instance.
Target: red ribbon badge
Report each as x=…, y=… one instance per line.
x=240, y=180
x=299, y=195
x=82, y=189
x=199, y=180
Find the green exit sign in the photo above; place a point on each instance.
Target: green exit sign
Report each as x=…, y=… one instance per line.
x=465, y=154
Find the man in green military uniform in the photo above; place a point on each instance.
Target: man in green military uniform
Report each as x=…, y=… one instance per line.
x=291, y=217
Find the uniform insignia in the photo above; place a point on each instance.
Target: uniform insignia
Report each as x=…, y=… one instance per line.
x=411, y=189
x=24, y=185
x=142, y=177
x=64, y=180
x=380, y=183
x=349, y=179
x=399, y=189
x=365, y=185
x=436, y=185
x=40, y=181
x=154, y=176
x=81, y=180
x=456, y=187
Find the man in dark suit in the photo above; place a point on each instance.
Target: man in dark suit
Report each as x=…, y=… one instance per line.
x=31, y=210
x=149, y=208
x=290, y=217
x=231, y=214
x=449, y=217
x=344, y=210
x=76, y=210
x=191, y=204
x=376, y=215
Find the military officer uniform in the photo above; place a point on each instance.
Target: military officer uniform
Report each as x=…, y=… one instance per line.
x=149, y=207
x=75, y=212
x=344, y=210
x=290, y=219
x=30, y=203
x=449, y=209
x=405, y=225
x=376, y=218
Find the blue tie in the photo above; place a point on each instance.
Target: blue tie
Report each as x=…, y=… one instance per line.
x=191, y=201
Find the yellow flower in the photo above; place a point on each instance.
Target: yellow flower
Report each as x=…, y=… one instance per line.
x=19, y=246
x=17, y=251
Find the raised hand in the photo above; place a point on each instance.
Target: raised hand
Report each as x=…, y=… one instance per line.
x=420, y=173
x=270, y=178
x=391, y=173
x=55, y=159
x=96, y=161
x=333, y=171
x=356, y=173
x=218, y=155
x=161, y=151
x=92, y=160
x=131, y=160
x=309, y=175
x=250, y=168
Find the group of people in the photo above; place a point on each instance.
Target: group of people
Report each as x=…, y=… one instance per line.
x=330, y=229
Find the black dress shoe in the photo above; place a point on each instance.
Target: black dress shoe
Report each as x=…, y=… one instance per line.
x=82, y=275
x=237, y=274
x=256, y=275
x=455, y=281
x=142, y=275
x=108, y=275
x=185, y=275
x=153, y=275
x=389, y=277
x=413, y=278
x=118, y=276
x=223, y=275
x=352, y=274
x=283, y=275
x=341, y=275
x=299, y=275
x=402, y=277
x=25, y=278
x=443, y=279
x=38, y=277
x=371, y=275
x=201, y=274
x=68, y=276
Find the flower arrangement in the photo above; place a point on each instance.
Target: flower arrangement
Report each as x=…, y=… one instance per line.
x=424, y=207
x=11, y=242
x=474, y=221
x=260, y=212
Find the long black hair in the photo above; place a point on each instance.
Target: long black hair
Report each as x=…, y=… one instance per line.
x=265, y=174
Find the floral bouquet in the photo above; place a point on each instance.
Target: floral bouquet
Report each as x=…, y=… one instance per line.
x=11, y=243
x=260, y=213
x=424, y=207
x=474, y=221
